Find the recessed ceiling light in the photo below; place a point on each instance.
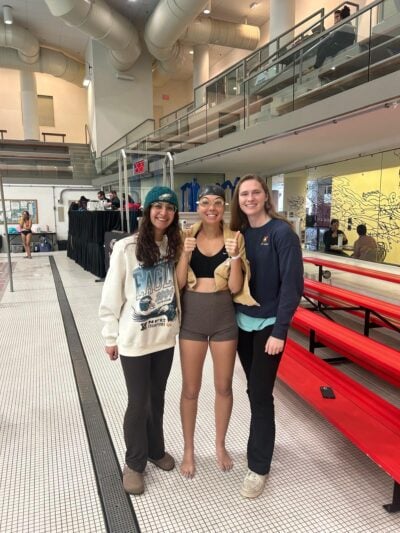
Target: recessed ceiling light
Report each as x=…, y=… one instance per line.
x=253, y=5
x=191, y=52
x=207, y=8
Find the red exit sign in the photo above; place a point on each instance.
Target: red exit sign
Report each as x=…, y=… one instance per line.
x=140, y=166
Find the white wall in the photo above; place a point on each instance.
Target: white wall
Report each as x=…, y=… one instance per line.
x=118, y=105
x=10, y=104
x=235, y=54
x=48, y=203
x=180, y=93
x=306, y=7
x=70, y=106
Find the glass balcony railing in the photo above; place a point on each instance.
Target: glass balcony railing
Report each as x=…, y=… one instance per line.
x=175, y=115
x=107, y=163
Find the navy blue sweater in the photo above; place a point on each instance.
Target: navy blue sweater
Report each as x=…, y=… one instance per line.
x=276, y=266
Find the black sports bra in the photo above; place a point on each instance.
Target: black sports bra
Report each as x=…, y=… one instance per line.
x=203, y=266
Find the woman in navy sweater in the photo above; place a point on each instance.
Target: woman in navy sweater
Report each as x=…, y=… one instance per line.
x=274, y=252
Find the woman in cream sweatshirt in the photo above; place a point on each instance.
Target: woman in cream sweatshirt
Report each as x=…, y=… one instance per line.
x=140, y=310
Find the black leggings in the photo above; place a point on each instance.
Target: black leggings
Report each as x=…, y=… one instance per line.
x=146, y=378
x=260, y=370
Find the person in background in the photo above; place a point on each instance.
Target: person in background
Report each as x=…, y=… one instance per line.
x=365, y=246
x=331, y=238
x=131, y=203
x=101, y=196
x=134, y=209
x=25, y=223
x=343, y=37
x=82, y=204
x=140, y=310
x=274, y=252
x=212, y=268
x=115, y=201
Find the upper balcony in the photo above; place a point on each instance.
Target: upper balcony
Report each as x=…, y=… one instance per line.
x=315, y=65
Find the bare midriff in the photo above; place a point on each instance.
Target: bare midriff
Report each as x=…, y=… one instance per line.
x=204, y=285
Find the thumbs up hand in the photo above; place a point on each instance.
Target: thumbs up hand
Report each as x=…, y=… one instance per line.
x=232, y=245
x=189, y=244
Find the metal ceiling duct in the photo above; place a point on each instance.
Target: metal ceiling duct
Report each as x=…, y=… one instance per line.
x=13, y=36
x=104, y=24
x=50, y=62
x=211, y=31
x=170, y=19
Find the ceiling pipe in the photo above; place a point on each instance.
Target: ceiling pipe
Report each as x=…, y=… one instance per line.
x=104, y=24
x=181, y=63
x=50, y=62
x=169, y=19
x=211, y=31
x=26, y=44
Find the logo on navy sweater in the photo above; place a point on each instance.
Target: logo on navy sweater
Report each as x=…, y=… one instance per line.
x=265, y=240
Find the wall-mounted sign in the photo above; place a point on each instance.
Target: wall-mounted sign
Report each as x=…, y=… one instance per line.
x=140, y=166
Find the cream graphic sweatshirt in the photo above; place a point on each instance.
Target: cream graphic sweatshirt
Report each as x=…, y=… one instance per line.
x=139, y=305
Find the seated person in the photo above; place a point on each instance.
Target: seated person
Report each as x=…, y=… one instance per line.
x=365, y=246
x=337, y=40
x=115, y=201
x=331, y=237
x=82, y=204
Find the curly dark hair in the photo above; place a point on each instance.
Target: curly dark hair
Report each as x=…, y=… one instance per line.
x=147, y=250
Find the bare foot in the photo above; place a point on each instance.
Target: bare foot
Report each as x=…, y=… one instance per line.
x=224, y=460
x=188, y=467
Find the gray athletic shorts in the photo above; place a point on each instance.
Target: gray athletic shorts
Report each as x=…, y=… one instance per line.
x=208, y=316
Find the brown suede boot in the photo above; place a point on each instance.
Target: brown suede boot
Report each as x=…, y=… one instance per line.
x=165, y=463
x=132, y=481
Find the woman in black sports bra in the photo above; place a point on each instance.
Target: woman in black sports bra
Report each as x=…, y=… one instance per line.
x=210, y=269
x=25, y=223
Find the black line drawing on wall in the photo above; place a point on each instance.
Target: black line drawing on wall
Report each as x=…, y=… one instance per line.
x=379, y=211
x=297, y=206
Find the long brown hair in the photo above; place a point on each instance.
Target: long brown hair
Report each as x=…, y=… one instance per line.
x=147, y=250
x=239, y=220
x=22, y=219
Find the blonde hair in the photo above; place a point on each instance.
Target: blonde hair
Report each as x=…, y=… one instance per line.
x=239, y=220
x=22, y=219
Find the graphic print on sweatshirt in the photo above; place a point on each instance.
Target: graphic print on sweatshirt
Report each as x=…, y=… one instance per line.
x=155, y=295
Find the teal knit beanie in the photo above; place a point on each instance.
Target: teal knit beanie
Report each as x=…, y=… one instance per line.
x=161, y=194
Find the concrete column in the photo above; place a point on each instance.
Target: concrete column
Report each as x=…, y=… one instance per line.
x=29, y=106
x=281, y=18
x=116, y=105
x=201, y=64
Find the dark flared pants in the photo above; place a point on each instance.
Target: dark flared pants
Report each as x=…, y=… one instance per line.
x=146, y=378
x=260, y=370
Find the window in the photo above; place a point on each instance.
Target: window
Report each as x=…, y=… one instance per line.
x=45, y=110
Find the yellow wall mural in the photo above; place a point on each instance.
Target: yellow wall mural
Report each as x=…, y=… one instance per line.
x=371, y=198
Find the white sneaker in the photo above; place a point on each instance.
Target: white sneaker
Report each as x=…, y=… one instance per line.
x=253, y=485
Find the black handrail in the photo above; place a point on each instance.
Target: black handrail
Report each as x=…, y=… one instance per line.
x=259, y=50
x=259, y=67
x=187, y=106
x=317, y=38
x=111, y=148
